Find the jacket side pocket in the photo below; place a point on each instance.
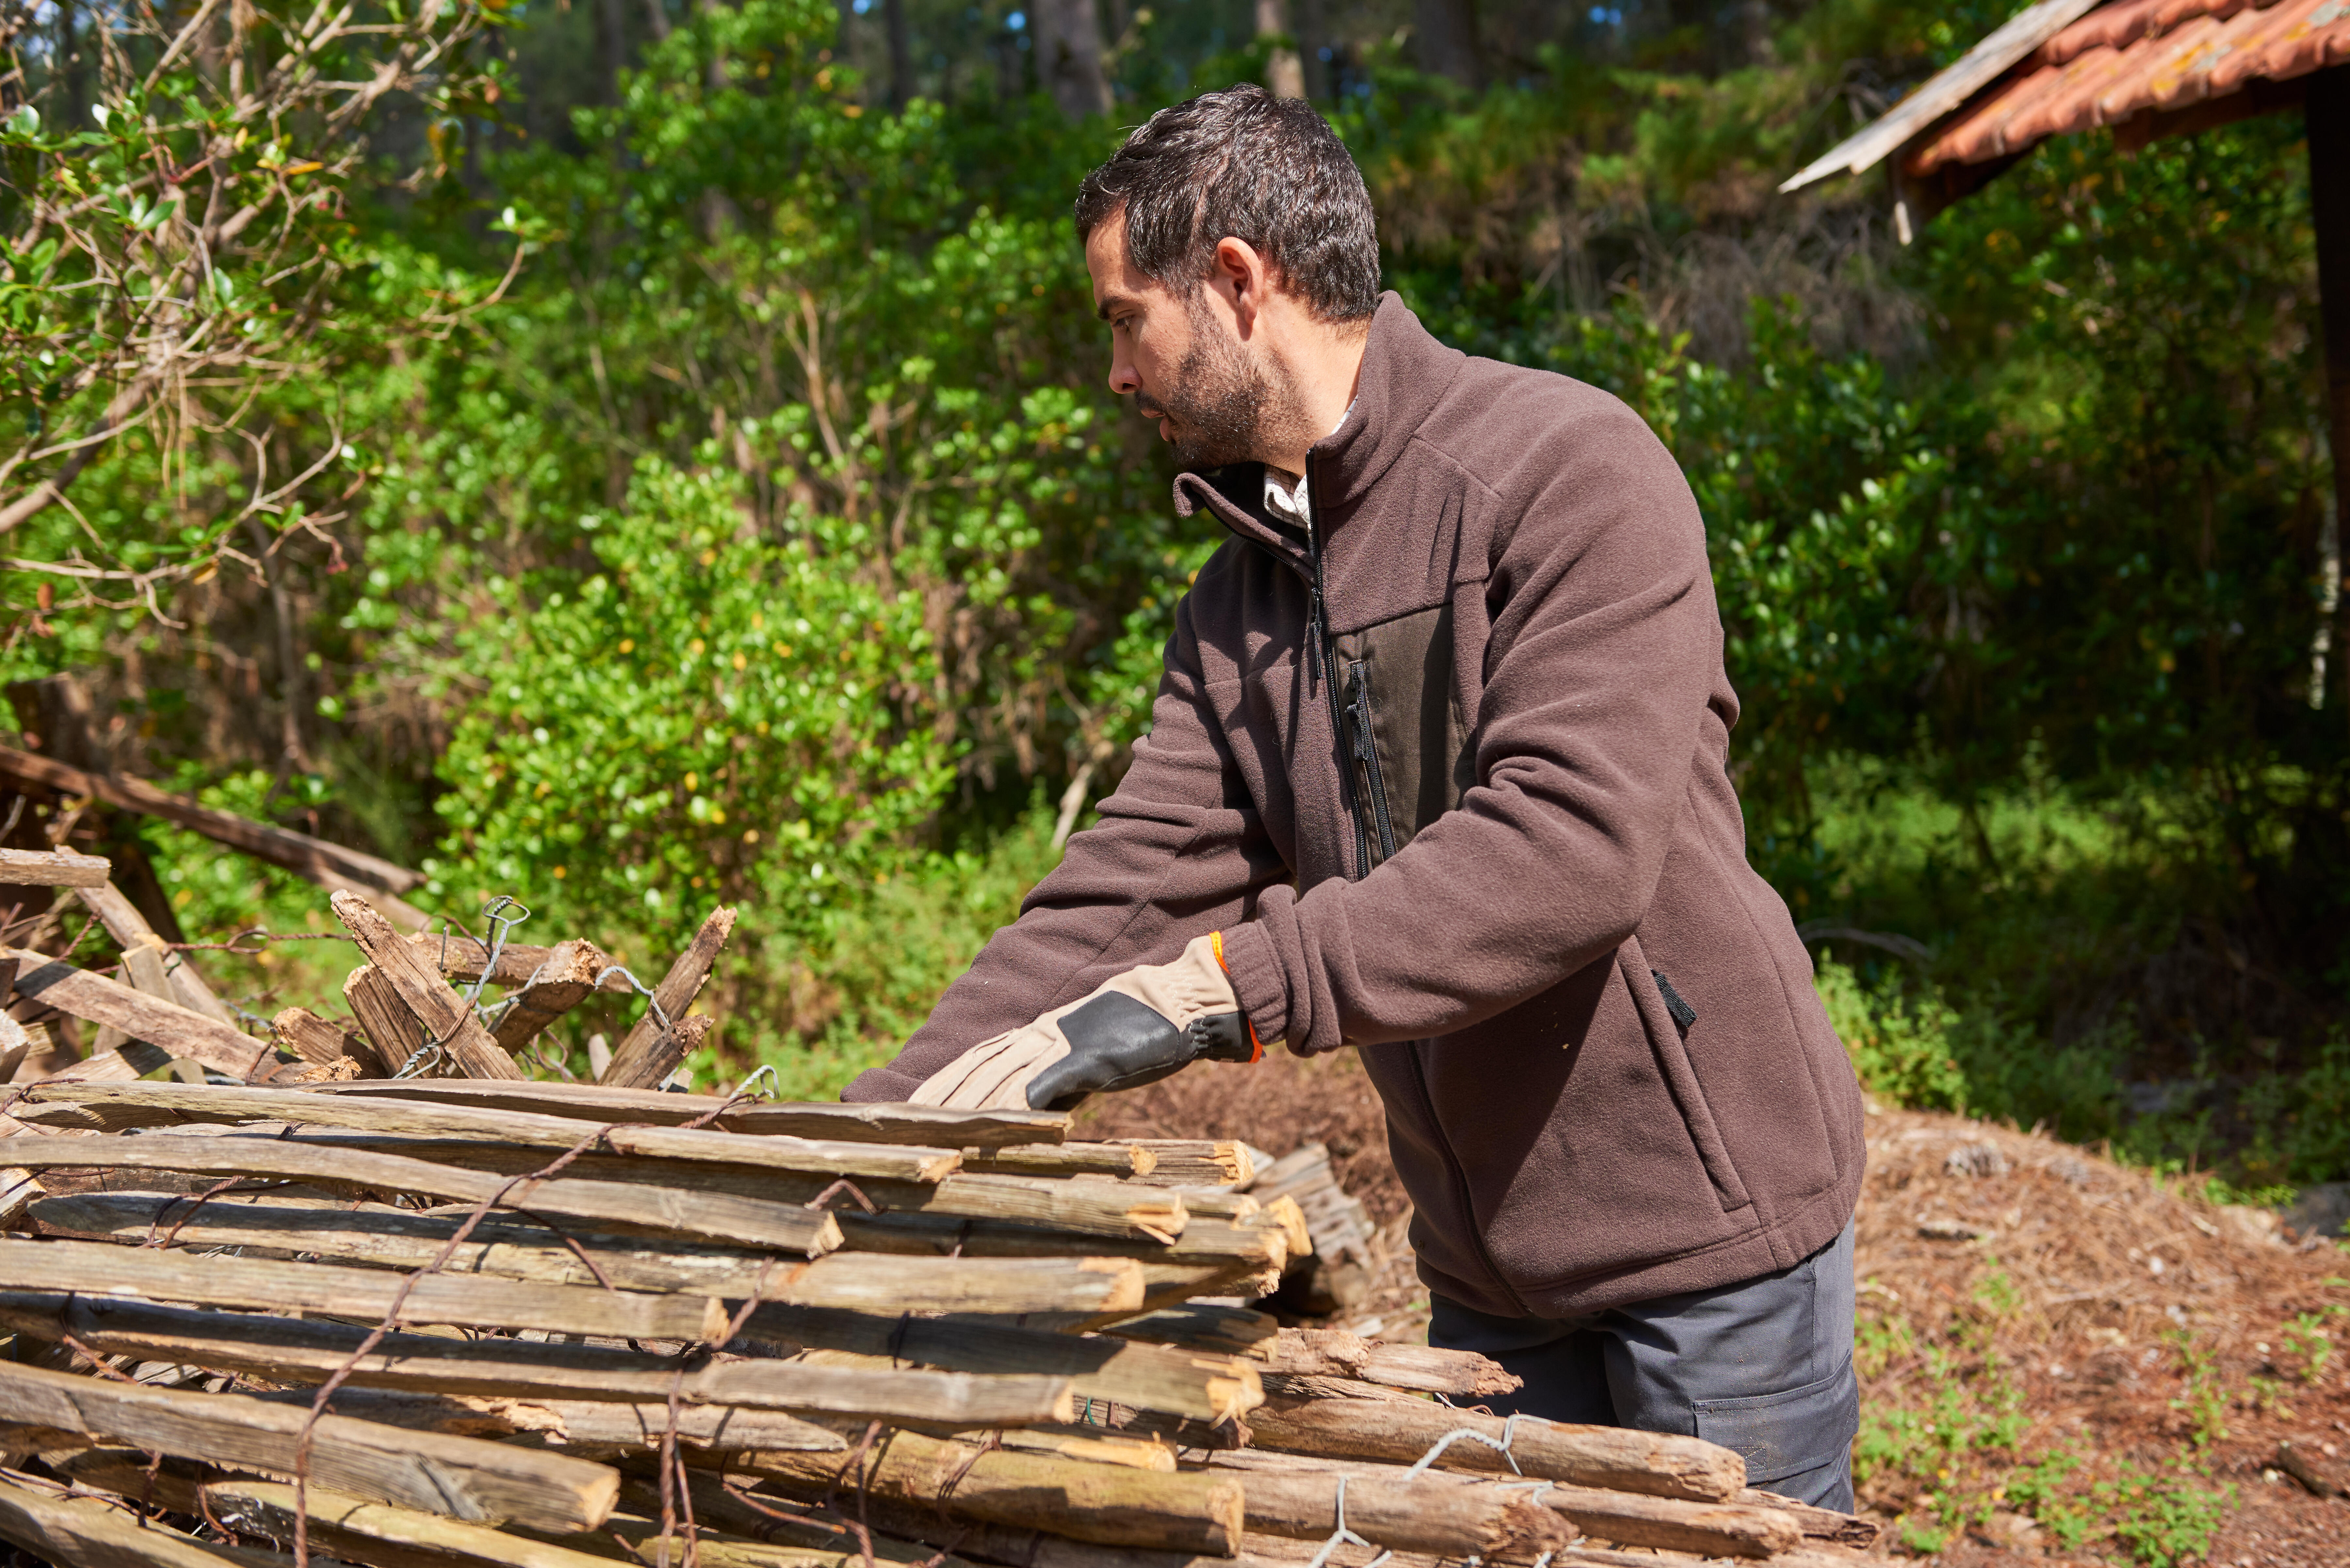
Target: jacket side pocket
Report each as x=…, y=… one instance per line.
x=1665, y=1040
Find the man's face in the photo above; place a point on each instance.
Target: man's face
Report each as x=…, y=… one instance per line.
x=1181, y=356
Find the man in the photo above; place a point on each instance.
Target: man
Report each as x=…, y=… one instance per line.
x=1438, y=770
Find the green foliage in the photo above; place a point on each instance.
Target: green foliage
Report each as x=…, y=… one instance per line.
x=1900, y=1046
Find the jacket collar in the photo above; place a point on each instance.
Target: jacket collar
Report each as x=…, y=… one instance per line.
x=1405, y=374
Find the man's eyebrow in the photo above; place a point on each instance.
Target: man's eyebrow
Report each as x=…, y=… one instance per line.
x=1102, y=310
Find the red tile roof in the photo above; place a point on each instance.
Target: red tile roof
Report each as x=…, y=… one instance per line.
x=2134, y=57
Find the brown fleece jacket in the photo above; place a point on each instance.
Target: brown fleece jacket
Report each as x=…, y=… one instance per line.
x=1451, y=774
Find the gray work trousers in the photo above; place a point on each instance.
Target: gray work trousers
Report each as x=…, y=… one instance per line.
x=1763, y=1367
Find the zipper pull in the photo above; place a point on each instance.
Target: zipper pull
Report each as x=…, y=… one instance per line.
x=1313, y=633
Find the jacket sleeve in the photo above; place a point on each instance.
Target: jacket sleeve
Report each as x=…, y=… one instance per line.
x=1180, y=850
x=1603, y=651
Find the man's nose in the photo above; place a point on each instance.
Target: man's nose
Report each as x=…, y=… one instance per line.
x=1122, y=378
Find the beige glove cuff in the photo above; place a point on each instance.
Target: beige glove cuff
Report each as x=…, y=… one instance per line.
x=1193, y=986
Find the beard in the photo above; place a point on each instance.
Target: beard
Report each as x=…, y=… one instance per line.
x=1222, y=408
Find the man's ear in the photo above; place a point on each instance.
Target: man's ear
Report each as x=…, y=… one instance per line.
x=1241, y=272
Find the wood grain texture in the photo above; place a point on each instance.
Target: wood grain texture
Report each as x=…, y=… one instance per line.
x=130, y=929
x=112, y=1108
x=1064, y=1159
x=364, y=1293
x=459, y=957
x=722, y=1217
x=1442, y=1519
x=1657, y=1464
x=161, y=1022
x=303, y=1033
x=613, y=1431
x=441, y=1009
x=925, y=1126
x=292, y=1349
x=85, y=1533
x=1334, y=1353
x=391, y=1030
x=466, y=1477
x=1199, y=1162
x=561, y=982
x=650, y=1053
x=1112, y=1504
x=53, y=869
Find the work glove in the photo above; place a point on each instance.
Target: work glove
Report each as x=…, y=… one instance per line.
x=1138, y=1028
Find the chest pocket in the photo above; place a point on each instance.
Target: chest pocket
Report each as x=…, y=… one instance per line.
x=1403, y=736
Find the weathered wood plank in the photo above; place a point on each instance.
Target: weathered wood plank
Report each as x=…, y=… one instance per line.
x=925, y=1126
x=390, y=1028
x=84, y=1532
x=1207, y=1388
x=393, y=1237
x=1121, y=1160
x=1447, y=1520
x=1199, y=1162
x=1657, y=1464
x=722, y=1217
x=111, y=1108
x=161, y=1022
x=464, y=1477
x=1204, y=1242
x=293, y=1349
x=459, y=957
x=1108, y=1503
x=130, y=930
x=579, y=1426
x=561, y=982
x=1198, y=1325
x=53, y=869
x=1334, y=1353
x=365, y=1294
x=650, y=1053
x=441, y=1009
x=303, y=1034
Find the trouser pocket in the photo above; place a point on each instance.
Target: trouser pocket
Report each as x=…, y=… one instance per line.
x=1787, y=1433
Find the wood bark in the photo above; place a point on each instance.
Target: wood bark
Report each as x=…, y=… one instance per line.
x=443, y=1014
x=464, y=1477
x=1106, y=1503
x=1436, y=1517
x=578, y=1425
x=651, y=1052
x=266, y=1284
x=461, y=957
x=1202, y=1326
x=722, y=1217
x=303, y=1034
x=1816, y=1523
x=111, y=1107
x=1063, y=1159
x=1199, y=1162
x=560, y=983
x=1659, y=1464
x=295, y=1350
x=1204, y=1244
x=163, y=1023
x=1208, y=1388
x=925, y=1126
x=53, y=869
x=87, y=1533
x=1334, y=1353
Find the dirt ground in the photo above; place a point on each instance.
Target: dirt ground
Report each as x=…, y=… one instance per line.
x=2062, y=1359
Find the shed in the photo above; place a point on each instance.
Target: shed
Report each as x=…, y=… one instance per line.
x=2147, y=68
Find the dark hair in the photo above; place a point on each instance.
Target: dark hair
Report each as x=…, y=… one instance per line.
x=1244, y=164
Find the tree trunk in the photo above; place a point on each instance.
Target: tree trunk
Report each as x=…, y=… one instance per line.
x=1445, y=34
x=1069, y=55
x=613, y=23
x=1284, y=74
x=902, y=53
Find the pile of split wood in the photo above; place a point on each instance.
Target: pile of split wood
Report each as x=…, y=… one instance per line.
x=477, y=1318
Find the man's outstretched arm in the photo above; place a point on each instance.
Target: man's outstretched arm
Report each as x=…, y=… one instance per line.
x=1178, y=852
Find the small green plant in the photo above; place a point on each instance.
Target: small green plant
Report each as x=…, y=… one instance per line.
x=2162, y=1519
x=2205, y=1401
x=2306, y=1337
x=1899, y=1045
x=2268, y=1398
x=2043, y=1489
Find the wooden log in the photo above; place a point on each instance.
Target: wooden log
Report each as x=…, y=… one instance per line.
x=1334, y=1353
x=314, y=859
x=85, y=1533
x=1657, y=1464
x=459, y=957
x=722, y=1217
x=53, y=869
x=1446, y=1519
x=398, y=1238
x=1199, y=1326
x=1200, y=1162
x=1120, y=1159
x=111, y=1108
x=650, y=1052
x=576, y=1426
x=1284, y=1213
x=365, y=1294
x=292, y=1349
x=925, y=1126
x=1108, y=1503
x=163, y=1023
x=1010, y=1545
x=464, y=1477
x=441, y=1010
x=303, y=1033
x=390, y=1028
x=1816, y=1523
x=130, y=929
x=132, y=1059
x=1204, y=1244
x=561, y=982
x=1206, y=1388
